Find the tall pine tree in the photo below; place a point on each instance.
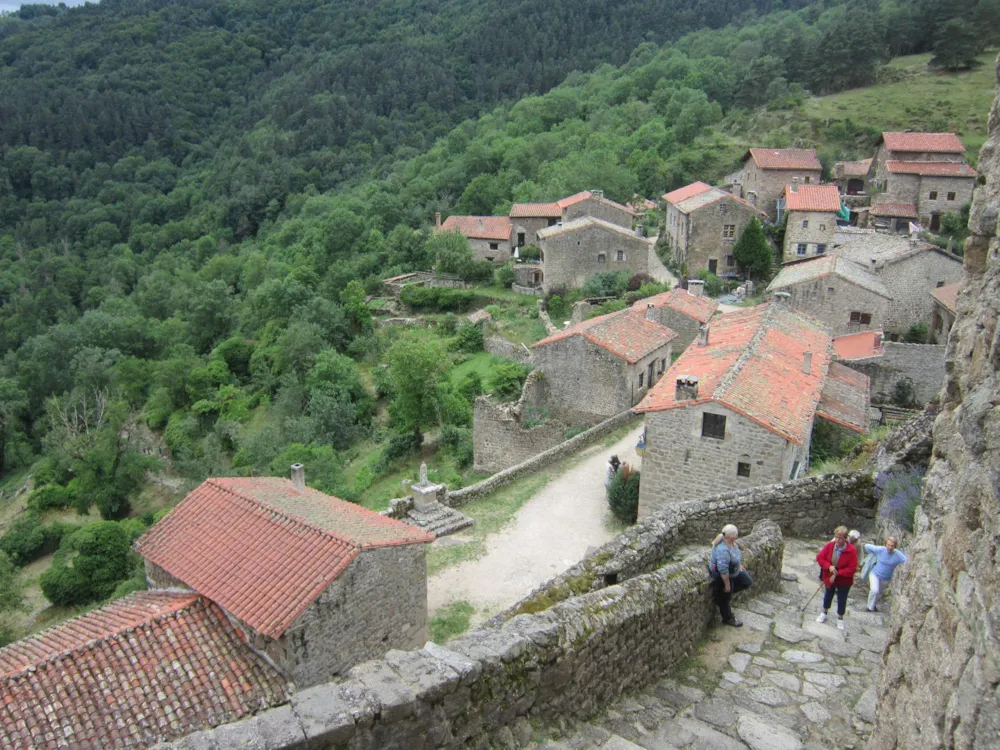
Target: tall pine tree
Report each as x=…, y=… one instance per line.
x=752, y=252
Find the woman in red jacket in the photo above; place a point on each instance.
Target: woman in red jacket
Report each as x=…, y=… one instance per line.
x=837, y=562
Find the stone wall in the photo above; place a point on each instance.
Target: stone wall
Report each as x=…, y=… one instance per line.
x=939, y=686
x=769, y=184
x=819, y=229
x=922, y=364
x=599, y=208
x=498, y=346
x=569, y=660
x=571, y=257
x=910, y=282
x=703, y=240
x=686, y=327
x=831, y=300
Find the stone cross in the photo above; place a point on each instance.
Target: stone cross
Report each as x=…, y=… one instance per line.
x=423, y=474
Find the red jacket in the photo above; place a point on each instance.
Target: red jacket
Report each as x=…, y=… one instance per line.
x=847, y=563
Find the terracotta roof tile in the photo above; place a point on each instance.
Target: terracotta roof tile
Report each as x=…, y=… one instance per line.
x=942, y=143
x=535, y=211
x=784, y=158
x=859, y=345
x=845, y=398
x=931, y=168
x=149, y=668
x=262, y=551
x=479, y=227
x=626, y=334
x=682, y=194
x=681, y=300
x=947, y=295
x=576, y=198
x=853, y=168
x=812, y=198
x=828, y=265
x=895, y=210
x=753, y=364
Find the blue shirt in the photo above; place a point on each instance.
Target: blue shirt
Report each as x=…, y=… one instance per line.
x=886, y=561
x=725, y=559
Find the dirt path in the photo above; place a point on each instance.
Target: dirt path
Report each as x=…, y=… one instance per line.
x=551, y=532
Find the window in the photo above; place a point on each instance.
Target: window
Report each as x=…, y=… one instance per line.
x=730, y=260
x=489, y=258
x=641, y=374
x=795, y=470
x=520, y=239
x=939, y=284
x=855, y=317
x=866, y=319
x=820, y=249
x=728, y=231
x=663, y=364
x=805, y=223
x=553, y=222
x=808, y=179
x=742, y=469
x=951, y=196
x=801, y=249
x=933, y=195
x=601, y=257
x=829, y=290
x=620, y=255
x=494, y=246
x=713, y=426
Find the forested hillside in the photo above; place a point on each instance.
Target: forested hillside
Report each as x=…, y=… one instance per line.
x=195, y=198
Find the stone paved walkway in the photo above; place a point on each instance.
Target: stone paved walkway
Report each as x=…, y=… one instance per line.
x=781, y=682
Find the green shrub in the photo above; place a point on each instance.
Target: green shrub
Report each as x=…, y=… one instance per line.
x=449, y=324
x=529, y=252
x=399, y=446
x=504, y=276
x=623, y=494
x=606, y=284
x=572, y=432
x=470, y=386
x=904, y=395
x=437, y=299
x=508, y=380
x=89, y=565
x=535, y=416
x=49, y=496
x=917, y=334
x=27, y=539
x=469, y=339
x=458, y=441
x=713, y=284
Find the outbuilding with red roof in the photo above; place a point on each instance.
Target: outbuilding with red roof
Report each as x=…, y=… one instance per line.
x=766, y=172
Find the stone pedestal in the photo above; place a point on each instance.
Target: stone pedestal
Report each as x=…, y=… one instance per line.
x=424, y=493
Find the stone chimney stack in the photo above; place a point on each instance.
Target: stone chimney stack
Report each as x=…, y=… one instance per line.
x=298, y=478
x=781, y=298
x=650, y=312
x=807, y=362
x=696, y=287
x=703, y=336
x=437, y=220
x=687, y=388
x=480, y=225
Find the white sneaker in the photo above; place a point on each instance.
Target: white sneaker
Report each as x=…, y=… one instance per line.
x=840, y=625
x=822, y=617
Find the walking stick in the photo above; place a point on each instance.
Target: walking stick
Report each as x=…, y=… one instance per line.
x=821, y=584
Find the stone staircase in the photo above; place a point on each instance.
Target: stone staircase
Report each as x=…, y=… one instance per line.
x=438, y=519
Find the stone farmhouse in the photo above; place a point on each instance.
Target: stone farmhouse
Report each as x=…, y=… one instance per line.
x=531, y=218
x=258, y=587
x=490, y=237
x=925, y=171
x=600, y=367
x=850, y=176
x=767, y=171
x=573, y=251
x=812, y=220
x=838, y=292
x=683, y=311
x=943, y=313
x=702, y=223
x=736, y=409
x=909, y=269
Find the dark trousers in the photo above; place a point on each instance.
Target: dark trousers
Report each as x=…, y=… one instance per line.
x=723, y=599
x=841, y=598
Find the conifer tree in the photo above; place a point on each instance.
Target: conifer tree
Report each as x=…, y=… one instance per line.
x=752, y=252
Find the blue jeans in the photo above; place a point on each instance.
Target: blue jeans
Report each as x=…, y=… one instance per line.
x=842, y=592
x=739, y=582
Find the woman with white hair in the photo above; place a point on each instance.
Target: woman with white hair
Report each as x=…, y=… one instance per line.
x=728, y=573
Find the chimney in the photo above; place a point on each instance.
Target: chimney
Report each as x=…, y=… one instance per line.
x=878, y=339
x=687, y=388
x=480, y=225
x=873, y=263
x=807, y=362
x=437, y=220
x=703, y=336
x=696, y=287
x=650, y=312
x=298, y=478
x=781, y=298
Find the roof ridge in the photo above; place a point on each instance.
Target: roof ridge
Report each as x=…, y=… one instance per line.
x=190, y=599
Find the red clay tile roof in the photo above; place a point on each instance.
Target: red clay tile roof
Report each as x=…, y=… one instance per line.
x=859, y=345
x=535, y=211
x=626, y=334
x=149, y=668
x=784, y=158
x=812, y=198
x=575, y=198
x=941, y=143
x=479, y=227
x=262, y=551
x=681, y=300
x=895, y=210
x=845, y=398
x=682, y=194
x=931, y=168
x=853, y=168
x=753, y=366
x=947, y=295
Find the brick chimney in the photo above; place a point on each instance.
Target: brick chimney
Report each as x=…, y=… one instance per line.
x=298, y=478
x=696, y=287
x=437, y=220
x=687, y=388
x=807, y=362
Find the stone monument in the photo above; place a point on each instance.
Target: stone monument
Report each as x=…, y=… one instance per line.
x=424, y=493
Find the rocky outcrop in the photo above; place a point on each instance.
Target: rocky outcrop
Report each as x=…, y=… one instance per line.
x=939, y=687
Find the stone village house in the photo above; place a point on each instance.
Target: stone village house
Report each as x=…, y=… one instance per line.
x=683, y=311
x=258, y=587
x=490, y=237
x=736, y=409
x=812, y=220
x=838, y=292
x=944, y=312
x=850, y=176
x=909, y=269
x=531, y=218
x=767, y=171
x=573, y=251
x=701, y=224
x=600, y=367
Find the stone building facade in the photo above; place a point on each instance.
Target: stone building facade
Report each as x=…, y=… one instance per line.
x=490, y=237
x=837, y=292
x=909, y=269
x=702, y=223
x=943, y=313
x=682, y=311
x=921, y=365
x=531, y=218
x=579, y=249
x=812, y=220
x=767, y=171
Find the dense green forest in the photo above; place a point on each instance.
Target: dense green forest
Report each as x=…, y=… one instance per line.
x=196, y=198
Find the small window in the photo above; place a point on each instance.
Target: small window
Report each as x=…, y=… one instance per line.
x=601, y=258
x=866, y=319
x=801, y=249
x=933, y=195
x=728, y=231
x=829, y=290
x=820, y=249
x=494, y=246
x=620, y=255
x=742, y=469
x=641, y=374
x=663, y=364
x=822, y=227
x=520, y=239
x=939, y=284
x=805, y=223
x=730, y=260
x=951, y=196
x=553, y=222
x=489, y=258
x=808, y=179
x=855, y=317
x=713, y=426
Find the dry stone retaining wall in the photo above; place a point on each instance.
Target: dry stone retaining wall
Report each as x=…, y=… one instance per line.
x=501, y=347
x=923, y=364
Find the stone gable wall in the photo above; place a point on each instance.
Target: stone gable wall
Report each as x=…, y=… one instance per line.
x=705, y=241
x=600, y=210
x=686, y=328
x=571, y=258
x=834, y=308
x=961, y=186
x=481, y=250
x=910, y=282
x=769, y=184
x=923, y=364
x=583, y=380
x=821, y=230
